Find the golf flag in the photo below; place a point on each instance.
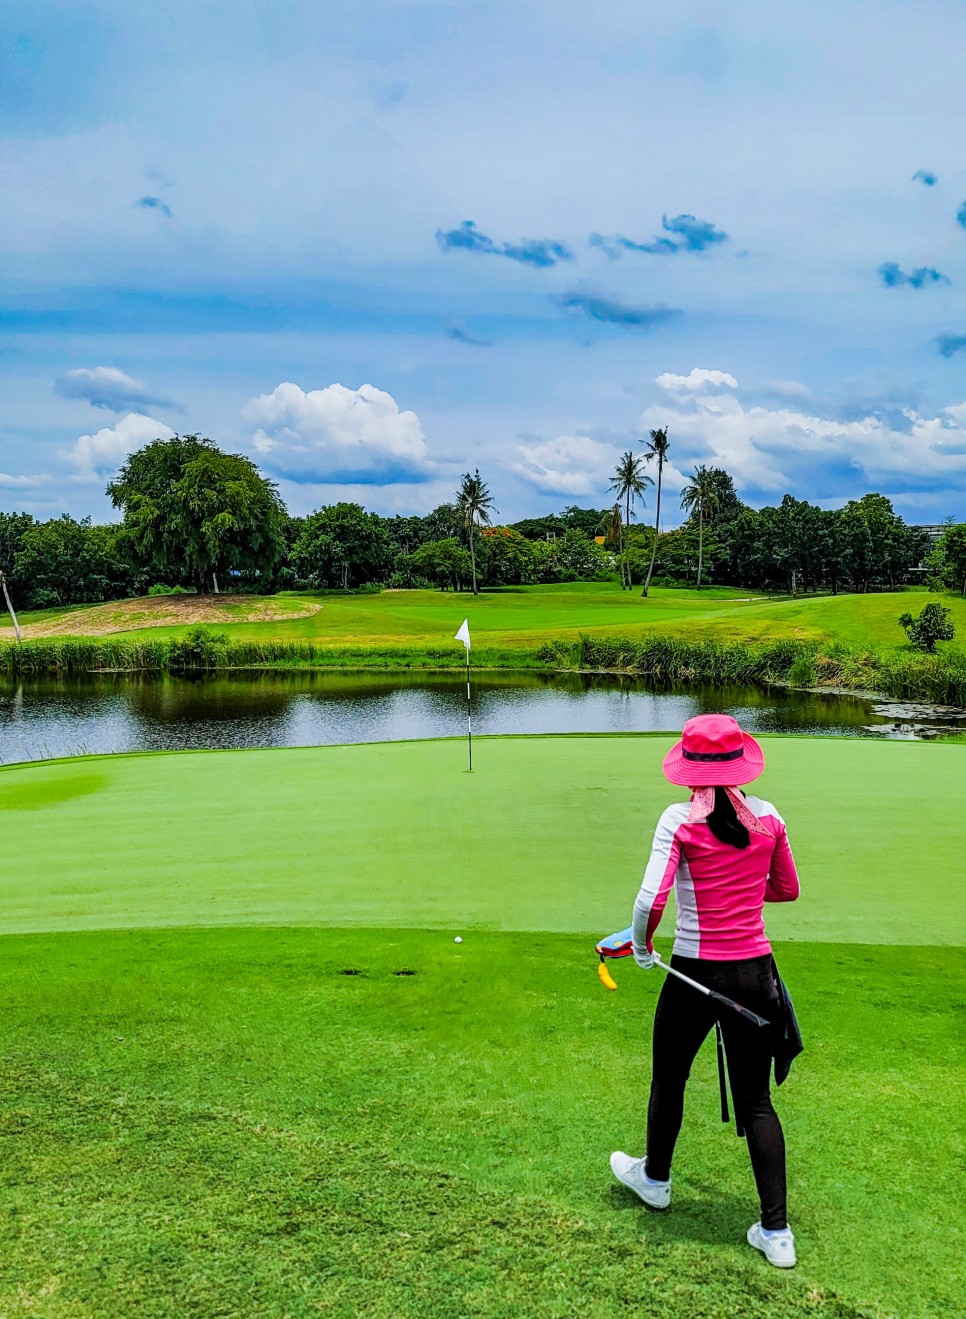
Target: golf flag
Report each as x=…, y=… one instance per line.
x=464, y=633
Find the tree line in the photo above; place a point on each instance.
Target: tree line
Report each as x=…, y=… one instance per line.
x=195, y=518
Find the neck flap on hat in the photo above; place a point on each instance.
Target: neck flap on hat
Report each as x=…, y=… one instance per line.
x=702, y=804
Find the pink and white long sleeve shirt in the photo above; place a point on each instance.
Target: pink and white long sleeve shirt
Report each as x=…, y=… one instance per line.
x=719, y=890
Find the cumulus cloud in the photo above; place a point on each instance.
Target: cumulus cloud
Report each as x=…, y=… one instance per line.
x=689, y=235
x=154, y=204
x=100, y=455
x=925, y=176
x=457, y=332
x=568, y=465
x=541, y=252
x=610, y=310
x=773, y=449
x=892, y=277
x=337, y=436
x=108, y=388
x=697, y=379
x=951, y=343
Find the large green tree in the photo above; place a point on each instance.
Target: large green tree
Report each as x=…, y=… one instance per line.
x=445, y=563
x=342, y=545
x=196, y=514
x=893, y=547
x=506, y=558
x=13, y=528
x=65, y=562
x=572, y=557
x=946, y=562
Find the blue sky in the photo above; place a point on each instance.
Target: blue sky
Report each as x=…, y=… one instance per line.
x=375, y=243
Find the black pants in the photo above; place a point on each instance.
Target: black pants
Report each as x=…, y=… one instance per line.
x=683, y=1020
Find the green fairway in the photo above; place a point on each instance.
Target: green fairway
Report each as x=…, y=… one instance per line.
x=527, y=616
x=548, y=834
x=223, y=1121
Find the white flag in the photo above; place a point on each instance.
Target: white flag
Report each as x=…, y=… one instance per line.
x=464, y=633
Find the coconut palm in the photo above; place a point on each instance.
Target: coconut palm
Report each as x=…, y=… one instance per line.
x=628, y=483
x=658, y=450
x=612, y=527
x=700, y=494
x=475, y=504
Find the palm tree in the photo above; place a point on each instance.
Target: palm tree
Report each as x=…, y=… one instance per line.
x=629, y=481
x=700, y=493
x=612, y=526
x=658, y=450
x=475, y=504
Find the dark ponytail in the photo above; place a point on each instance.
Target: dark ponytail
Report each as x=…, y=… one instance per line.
x=724, y=823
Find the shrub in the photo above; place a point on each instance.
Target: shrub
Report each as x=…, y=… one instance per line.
x=933, y=624
x=200, y=648
x=158, y=589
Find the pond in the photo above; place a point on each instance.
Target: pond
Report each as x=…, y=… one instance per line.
x=44, y=718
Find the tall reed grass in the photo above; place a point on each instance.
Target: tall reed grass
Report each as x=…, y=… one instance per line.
x=903, y=674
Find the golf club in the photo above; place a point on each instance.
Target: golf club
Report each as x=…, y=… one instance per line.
x=718, y=998
x=619, y=945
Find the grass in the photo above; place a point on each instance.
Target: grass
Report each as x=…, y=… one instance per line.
x=525, y=617
x=220, y=1122
x=548, y=834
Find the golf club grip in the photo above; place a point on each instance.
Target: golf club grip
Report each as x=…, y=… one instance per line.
x=736, y=1007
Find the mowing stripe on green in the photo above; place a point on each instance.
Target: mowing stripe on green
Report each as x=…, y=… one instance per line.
x=549, y=833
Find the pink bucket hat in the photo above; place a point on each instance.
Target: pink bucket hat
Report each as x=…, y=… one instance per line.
x=713, y=751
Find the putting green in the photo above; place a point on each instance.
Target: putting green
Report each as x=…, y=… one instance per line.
x=548, y=834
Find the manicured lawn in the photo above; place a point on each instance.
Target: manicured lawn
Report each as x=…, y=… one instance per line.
x=547, y=834
x=220, y=1122
x=527, y=616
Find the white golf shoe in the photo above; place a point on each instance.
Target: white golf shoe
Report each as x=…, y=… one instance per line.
x=630, y=1173
x=778, y=1248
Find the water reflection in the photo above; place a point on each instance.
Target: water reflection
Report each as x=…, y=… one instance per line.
x=119, y=712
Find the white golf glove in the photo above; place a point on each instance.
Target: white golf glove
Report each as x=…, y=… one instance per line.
x=643, y=958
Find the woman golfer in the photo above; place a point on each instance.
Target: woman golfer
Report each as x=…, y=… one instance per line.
x=726, y=855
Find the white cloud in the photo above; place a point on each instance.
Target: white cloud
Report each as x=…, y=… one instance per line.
x=100, y=455
x=769, y=449
x=8, y=482
x=567, y=465
x=696, y=380
x=108, y=388
x=337, y=435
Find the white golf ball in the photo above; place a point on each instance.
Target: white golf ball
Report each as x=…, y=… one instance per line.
x=457, y=939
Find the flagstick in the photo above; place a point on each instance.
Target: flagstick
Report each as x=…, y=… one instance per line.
x=469, y=711
x=464, y=635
